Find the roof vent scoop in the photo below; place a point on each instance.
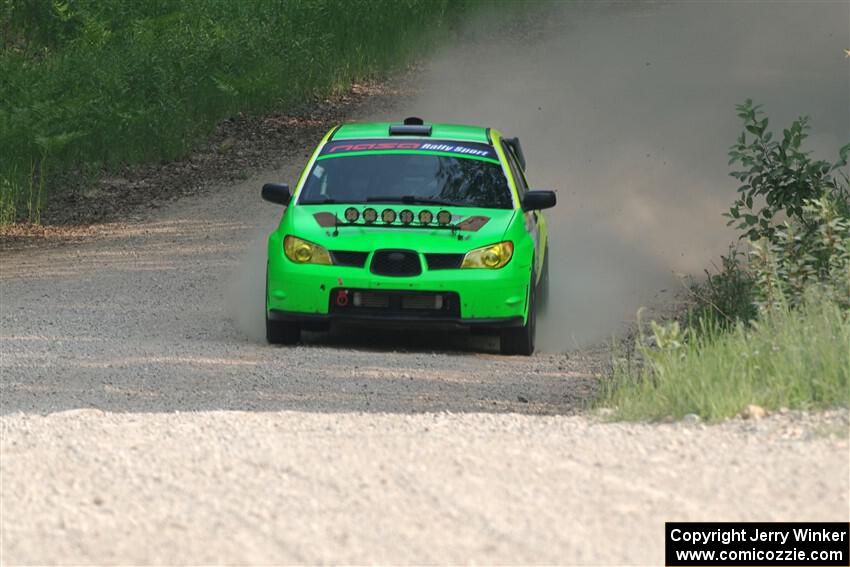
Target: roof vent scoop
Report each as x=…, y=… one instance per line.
x=412, y=126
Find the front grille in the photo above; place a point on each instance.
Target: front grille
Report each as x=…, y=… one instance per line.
x=351, y=259
x=370, y=300
x=444, y=261
x=396, y=263
x=392, y=303
x=422, y=301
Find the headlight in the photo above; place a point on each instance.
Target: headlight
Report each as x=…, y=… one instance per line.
x=493, y=256
x=303, y=252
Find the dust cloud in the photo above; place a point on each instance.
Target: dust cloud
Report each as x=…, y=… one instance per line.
x=246, y=289
x=627, y=110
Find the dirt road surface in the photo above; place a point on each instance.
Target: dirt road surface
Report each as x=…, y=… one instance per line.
x=144, y=421
x=140, y=424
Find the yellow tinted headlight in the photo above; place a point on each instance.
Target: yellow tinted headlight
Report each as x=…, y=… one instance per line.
x=494, y=256
x=304, y=252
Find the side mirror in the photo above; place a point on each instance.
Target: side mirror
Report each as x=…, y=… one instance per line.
x=536, y=200
x=277, y=193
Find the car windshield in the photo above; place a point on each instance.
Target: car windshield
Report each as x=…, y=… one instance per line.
x=408, y=178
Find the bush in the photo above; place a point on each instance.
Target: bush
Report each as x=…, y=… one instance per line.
x=726, y=297
x=794, y=210
x=772, y=331
x=779, y=176
x=778, y=270
x=800, y=256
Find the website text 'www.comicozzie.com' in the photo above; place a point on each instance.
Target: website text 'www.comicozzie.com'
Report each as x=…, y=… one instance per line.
x=689, y=556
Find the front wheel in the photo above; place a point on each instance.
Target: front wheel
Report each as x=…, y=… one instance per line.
x=282, y=332
x=279, y=332
x=520, y=340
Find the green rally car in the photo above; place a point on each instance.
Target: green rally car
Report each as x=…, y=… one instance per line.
x=411, y=224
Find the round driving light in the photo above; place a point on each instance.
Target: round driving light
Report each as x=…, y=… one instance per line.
x=406, y=216
x=370, y=215
x=444, y=218
x=490, y=258
x=303, y=253
x=352, y=214
x=425, y=217
x=388, y=216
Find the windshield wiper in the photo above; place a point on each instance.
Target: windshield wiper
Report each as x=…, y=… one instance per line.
x=409, y=200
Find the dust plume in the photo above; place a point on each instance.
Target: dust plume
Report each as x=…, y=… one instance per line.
x=627, y=110
x=246, y=289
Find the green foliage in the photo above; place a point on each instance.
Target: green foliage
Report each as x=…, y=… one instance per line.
x=798, y=258
x=97, y=84
x=810, y=247
x=778, y=177
x=778, y=271
x=794, y=358
x=774, y=331
x=726, y=297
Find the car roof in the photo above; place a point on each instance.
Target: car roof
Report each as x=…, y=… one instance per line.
x=457, y=132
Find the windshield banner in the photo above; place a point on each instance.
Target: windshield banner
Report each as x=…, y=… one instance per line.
x=461, y=149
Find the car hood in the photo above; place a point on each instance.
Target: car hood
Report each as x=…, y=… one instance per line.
x=326, y=225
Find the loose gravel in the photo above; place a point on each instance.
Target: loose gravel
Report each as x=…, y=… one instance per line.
x=144, y=421
x=84, y=486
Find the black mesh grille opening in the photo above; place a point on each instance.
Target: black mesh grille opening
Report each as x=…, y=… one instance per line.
x=396, y=263
x=351, y=259
x=444, y=261
x=390, y=304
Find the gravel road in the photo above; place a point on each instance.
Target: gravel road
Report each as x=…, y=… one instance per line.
x=143, y=421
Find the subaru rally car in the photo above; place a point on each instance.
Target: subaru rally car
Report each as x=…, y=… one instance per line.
x=411, y=224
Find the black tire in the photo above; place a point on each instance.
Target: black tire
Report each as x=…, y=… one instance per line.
x=282, y=332
x=520, y=340
x=279, y=332
x=543, y=286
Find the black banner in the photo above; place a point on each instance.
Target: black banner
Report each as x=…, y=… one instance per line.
x=813, y=544
x=461, y=149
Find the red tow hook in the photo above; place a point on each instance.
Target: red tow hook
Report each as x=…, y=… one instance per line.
x=342, y=297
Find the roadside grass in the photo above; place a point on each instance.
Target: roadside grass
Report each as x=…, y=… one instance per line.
x=93, y=85
x=772, y=327
x=794, y=358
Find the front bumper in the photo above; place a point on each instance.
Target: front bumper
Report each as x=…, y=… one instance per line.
x=487, y=298
x=318, y=320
